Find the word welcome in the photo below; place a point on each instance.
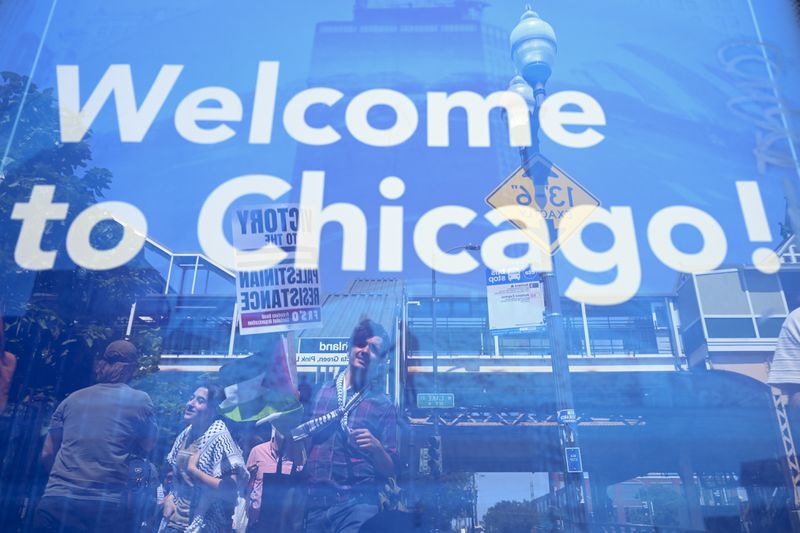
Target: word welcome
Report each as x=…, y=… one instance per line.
x=208, y=115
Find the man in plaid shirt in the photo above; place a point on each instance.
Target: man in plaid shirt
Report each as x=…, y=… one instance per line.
x=351, y=459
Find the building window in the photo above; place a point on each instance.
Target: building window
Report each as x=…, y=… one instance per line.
x=790, y=281
x=765, y=293
x=722, y=293
x=769, y=327
x=730, y=328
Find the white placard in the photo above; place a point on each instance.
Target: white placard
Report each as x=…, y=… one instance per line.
x=279, y=297
x=515, y=301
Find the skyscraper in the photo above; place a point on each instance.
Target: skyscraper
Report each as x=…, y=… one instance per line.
x=410, y=47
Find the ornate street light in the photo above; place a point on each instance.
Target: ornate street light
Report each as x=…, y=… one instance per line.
x=533, y=50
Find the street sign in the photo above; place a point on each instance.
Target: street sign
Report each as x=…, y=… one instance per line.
x=323, y=351
x=515, y=301
x=567, y=416
x=573, y=456
x=436, y=400
x=546, y=189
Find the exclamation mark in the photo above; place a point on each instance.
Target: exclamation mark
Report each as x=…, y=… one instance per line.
x=755, y=220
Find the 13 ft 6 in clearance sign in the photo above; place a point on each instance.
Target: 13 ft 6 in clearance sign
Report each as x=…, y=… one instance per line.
x=540, y=184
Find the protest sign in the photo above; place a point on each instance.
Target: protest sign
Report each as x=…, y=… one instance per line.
x=277, y=297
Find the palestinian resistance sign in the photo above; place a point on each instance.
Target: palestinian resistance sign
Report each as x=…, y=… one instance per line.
x=279, y=297
x=515, y=301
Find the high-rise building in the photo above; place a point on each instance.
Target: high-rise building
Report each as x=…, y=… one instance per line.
x=410, y=47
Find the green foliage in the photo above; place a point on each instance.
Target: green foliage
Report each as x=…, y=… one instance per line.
x=666, y=503
x=510, y=517
x=169, y=392
x=58, y=320
x=452, y=493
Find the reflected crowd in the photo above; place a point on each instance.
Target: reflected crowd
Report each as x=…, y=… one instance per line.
x=334, y=472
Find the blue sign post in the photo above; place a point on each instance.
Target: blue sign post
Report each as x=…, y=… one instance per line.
x=573, y=457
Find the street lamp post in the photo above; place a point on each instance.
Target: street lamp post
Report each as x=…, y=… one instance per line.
x=533, y=50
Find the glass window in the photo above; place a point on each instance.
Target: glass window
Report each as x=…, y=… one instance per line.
x=722, y=293
x=790, y=281
x=687, y=302
x=140, y=142
x=765, y=293
x=622, y=329
x=769, y=327
x=724, y=328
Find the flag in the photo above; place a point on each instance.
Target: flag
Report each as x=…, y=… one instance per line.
x=262, y=389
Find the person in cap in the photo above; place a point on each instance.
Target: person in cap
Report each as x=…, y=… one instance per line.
x=93, y=434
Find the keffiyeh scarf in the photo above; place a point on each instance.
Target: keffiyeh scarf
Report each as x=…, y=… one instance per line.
x=219, y=455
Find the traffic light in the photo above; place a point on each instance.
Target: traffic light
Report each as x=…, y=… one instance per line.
x=435, y=456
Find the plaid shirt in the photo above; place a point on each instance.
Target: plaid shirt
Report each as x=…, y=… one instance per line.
x=336, y=464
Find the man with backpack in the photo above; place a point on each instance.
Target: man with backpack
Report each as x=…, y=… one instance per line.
x=94, y=434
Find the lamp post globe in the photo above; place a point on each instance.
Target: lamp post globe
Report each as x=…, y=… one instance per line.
x=519, y=86
x=533, y=48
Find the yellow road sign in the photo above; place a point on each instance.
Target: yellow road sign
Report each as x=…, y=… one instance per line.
x=539, y=186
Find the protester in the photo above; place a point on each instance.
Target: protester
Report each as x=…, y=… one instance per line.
x=273, y=466
x=208, y=469
x=92, y=435
x=351, y=458
x=784, y=371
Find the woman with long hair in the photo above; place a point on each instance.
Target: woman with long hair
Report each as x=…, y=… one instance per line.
x=208, y=469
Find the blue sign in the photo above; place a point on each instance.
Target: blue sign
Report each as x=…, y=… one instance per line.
x=573, y=456
x=323, y=345
x=323, y=351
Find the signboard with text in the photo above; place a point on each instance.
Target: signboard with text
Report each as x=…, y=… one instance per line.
x=271, y=293
x=572, y=455
x=436, y=400
x=323, y=351
x=515, y=301
x=548, y=191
